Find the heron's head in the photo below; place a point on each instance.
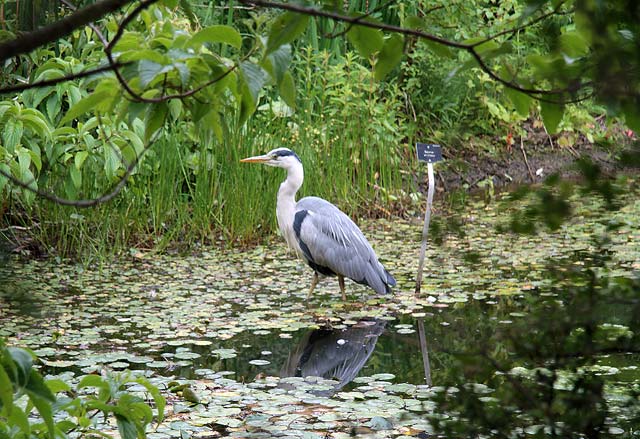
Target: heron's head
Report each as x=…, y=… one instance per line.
x=280, y=157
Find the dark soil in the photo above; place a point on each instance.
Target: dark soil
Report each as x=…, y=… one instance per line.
x=531, y=161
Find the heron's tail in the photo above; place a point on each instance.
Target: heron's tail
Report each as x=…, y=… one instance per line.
x=390, y=282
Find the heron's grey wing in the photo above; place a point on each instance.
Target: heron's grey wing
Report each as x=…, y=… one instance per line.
x=329, y=239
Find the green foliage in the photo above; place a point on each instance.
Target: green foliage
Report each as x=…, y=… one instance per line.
x=61, y=413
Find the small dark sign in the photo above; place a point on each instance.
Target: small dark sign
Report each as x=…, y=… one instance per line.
x=429, y=153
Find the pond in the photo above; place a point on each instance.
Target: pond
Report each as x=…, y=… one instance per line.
x=262, y=361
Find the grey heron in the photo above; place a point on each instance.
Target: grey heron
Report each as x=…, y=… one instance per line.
x=320, y=233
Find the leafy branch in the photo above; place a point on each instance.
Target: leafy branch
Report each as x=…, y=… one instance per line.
x=90, y=202
x=471, y=48
x=32, y=40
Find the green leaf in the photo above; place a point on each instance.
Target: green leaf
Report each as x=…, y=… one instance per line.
x=57, y=385
x=154, y=120
x=6, y=387
x=574, y=44
x=3, y=182
x=439, y=49
x=46, y=412
x=19, y=418
x=144, y=54
x=254, y=78
x=217, y=34
x=92, y=381
x=551, y=115
x=156, y=395
x=86, y=104
x=521, y=101
x=286, y=28
x=37, y=387
x=36, y=122
x=35, y=159
x=149, y=70
x=24, y=159
x=389, y=56
x=277, y=62
x=23, y=362
x=76, y=177
x=366, y=40
x=632, y=116
x=80, y=158
x=11, y=134
x=126, y=427
x=287, y=90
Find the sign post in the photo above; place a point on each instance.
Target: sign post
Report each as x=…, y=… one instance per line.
x=431, y=154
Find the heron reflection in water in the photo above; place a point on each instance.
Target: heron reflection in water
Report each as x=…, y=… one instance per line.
x=337, y=354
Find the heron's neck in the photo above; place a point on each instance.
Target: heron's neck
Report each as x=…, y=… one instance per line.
x=286, y=204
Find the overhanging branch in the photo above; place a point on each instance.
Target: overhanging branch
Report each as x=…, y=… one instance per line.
x=32, y=40
x=470, y=48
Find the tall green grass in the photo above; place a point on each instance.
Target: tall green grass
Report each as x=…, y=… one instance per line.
x=191, y=188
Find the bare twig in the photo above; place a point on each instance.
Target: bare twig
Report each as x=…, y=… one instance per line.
x=48, y=82
x=526, y=161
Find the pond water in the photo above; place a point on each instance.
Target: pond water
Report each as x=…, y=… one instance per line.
x=237, y=327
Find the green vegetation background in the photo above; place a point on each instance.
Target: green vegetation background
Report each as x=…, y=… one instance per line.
x=355, y=134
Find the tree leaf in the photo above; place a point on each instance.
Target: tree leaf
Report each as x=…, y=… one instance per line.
x=11, y=134
x=574, y=44
x=23, y=362
x=79, y=158
x=36, y=122
x=632, y=116
x=46, y=412
x=286, y=28
x=3, y=182
x=217, y=34
x=156, y=395
x=366, y=40
x=254, y=78
x=126, y=427
x=277, y=62
x=19, y=418
x=287, y=90
x=86, y=104
x=551, y=115
x=389, y=56
x=521, y=101
x=154, y=120
x=76, y=177
x=149, y=70
x=6, y=387
x=37, y=386
x=439, y=49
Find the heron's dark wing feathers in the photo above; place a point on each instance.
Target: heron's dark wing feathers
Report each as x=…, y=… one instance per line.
x=330, y=239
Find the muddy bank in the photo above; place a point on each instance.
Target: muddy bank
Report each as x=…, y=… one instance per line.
x=526, y=163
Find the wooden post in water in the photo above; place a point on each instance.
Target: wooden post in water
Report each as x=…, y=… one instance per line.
x=425, y=352
x=430, y=154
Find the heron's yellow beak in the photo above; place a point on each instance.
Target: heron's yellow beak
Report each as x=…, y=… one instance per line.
x=256, y=159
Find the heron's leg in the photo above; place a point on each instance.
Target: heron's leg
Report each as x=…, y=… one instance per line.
x=314, y=282
x=341, y=282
